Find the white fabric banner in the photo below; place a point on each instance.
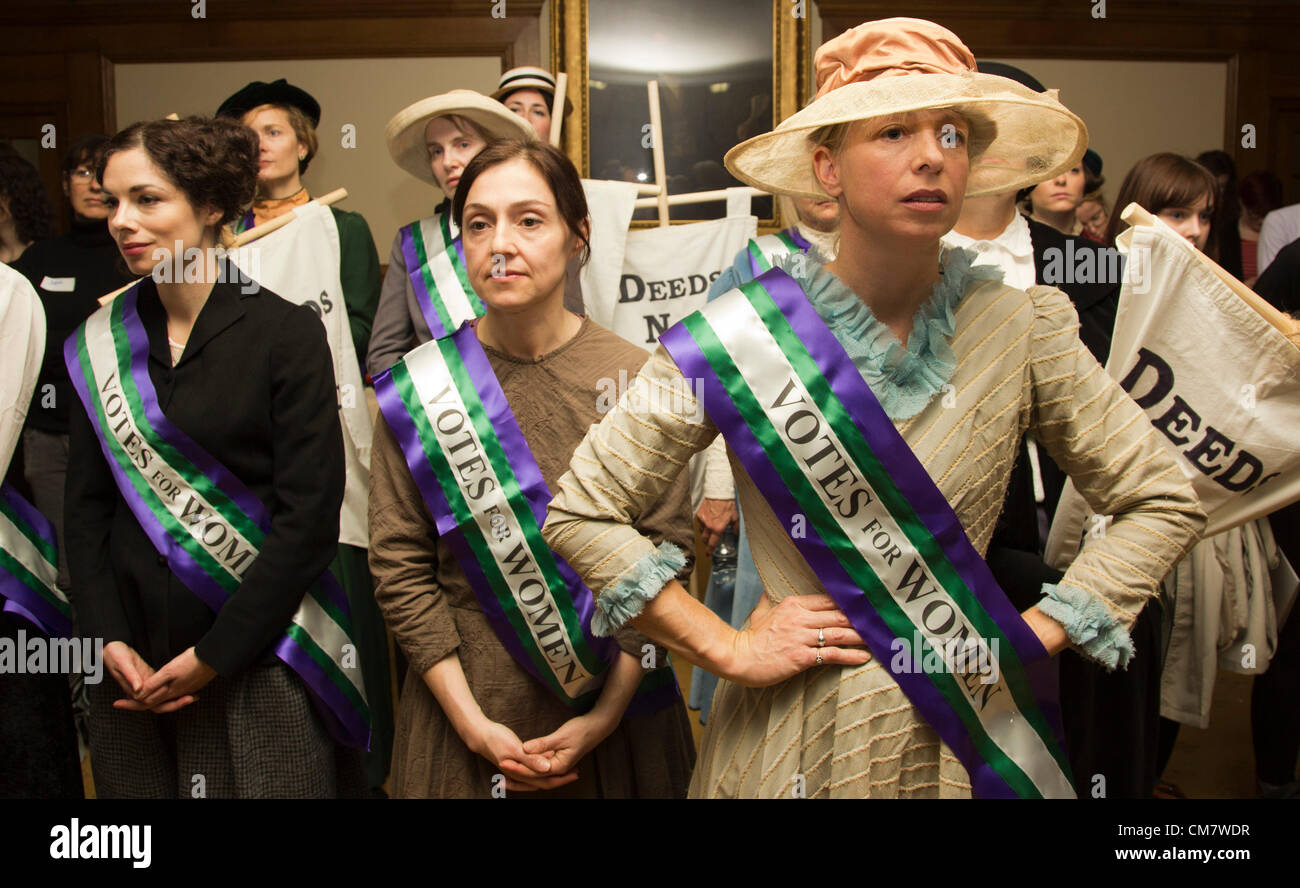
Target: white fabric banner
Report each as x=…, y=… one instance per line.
x=1221, y=383
x=300, y=263
x=1215, y=377
x=667, y=272
x=610, y=205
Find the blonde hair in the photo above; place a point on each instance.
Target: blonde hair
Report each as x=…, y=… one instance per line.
x=302, y=128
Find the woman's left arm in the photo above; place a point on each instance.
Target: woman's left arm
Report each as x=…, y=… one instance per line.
x=1118, y=463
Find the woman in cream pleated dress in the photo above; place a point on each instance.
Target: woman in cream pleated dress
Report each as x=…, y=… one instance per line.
x=963, y=365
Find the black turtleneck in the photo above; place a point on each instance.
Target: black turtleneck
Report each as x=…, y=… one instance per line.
x=70, y=273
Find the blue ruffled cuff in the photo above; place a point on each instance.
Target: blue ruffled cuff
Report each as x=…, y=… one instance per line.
x=627, y=598
x=1090, y=624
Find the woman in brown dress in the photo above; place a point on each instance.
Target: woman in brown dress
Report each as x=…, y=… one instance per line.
x=472, y=720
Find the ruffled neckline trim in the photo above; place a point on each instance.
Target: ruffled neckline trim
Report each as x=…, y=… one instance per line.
x=904, y=378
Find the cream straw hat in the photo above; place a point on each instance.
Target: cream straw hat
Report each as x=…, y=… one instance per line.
x=1018, y=137
x=405, y=132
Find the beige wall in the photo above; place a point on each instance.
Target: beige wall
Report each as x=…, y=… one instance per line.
x=363, y=92
x=1133, y=109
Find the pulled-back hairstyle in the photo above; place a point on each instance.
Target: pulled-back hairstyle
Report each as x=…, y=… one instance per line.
x=550, y=163
x=1161, y=181
x=213, y=161
x=301, y=125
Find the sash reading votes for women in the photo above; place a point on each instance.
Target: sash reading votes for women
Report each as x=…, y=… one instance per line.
x=435, y=261
x=206, y=522
x=29, y=566
x=488, y=499
x=879, y=535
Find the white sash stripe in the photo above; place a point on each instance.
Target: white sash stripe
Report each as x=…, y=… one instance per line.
x=756, y=354
x=437, y=392
x=175, y=493
x=22, y=550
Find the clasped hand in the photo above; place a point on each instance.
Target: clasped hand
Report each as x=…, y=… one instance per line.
x=545, y=762
x=164, y=690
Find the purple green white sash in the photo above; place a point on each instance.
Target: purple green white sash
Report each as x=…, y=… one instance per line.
x=435, y=261
x=762, y=250
x=29, y=566
x=879, y=534
x=488, y=499
x=206, y=522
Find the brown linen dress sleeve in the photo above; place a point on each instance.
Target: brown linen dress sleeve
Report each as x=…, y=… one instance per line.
x=404, y=558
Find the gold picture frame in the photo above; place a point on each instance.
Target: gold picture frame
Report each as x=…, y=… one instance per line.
x=791, y=74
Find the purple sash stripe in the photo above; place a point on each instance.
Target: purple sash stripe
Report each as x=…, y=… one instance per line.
x=341, y=718
x=218, y=474
x=403, y=429
x=415, y=273
x=915, y=484
x=29, y=514
x=24, y=603
x=527, y=473
x=179, y=559
x=459, y=243
x=920, y=691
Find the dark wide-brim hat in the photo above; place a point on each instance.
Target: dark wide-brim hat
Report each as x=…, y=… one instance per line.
x=278, y=92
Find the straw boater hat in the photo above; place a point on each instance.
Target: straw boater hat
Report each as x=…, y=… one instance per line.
x=405, y=132
x=1019, y=137
x=529, y=77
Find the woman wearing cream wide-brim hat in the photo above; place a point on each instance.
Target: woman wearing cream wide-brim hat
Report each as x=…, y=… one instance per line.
x=425, y=292
x=949, y=367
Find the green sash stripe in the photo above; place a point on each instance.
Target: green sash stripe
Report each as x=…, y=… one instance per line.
x=327, y=664
x=181, y=464
x=31, y=581
x=901, y=511
x=847, y=554
x=453, y=255
x=169, y=522
x=788, y=241
x=522, y=509
x=426, y=273
x=446, y=481
x=756, y=253
x=38, y=542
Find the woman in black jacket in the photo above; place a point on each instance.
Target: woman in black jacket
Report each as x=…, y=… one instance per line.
x=201, y=704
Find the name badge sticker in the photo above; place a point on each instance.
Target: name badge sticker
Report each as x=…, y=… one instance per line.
x=59, y=285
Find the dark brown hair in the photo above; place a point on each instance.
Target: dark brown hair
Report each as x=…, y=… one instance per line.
x=550, y=163
x=24, y=195
x=213, y=161
x=1261, y=192
x=1161, y=181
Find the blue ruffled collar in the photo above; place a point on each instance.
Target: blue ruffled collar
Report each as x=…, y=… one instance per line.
x=903, y=378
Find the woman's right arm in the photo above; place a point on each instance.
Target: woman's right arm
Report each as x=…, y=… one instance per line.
x=393, y=333
x=622, y=466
